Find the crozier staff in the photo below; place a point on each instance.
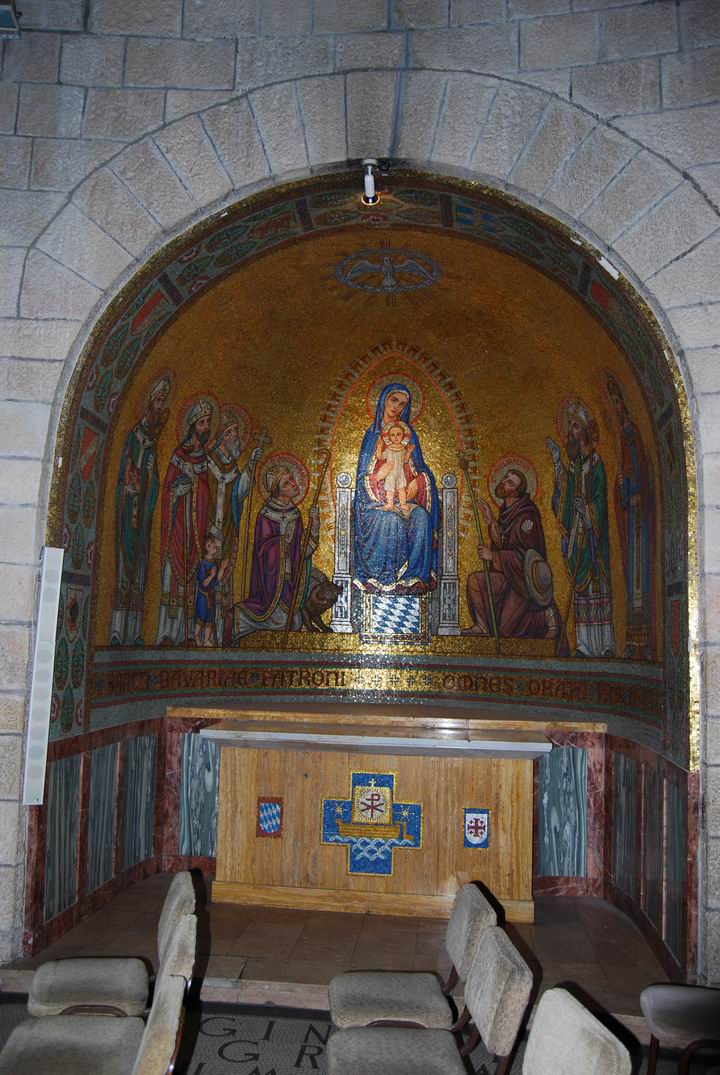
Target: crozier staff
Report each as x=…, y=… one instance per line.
x=184, y=522
x=303, y=564
x=281, y=554
x=580, y=505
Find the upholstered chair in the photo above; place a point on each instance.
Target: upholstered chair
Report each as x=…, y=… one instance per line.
x=117, y=986
x=106, y=1044
x=497, y=992
x=160, y=1043
x=566, y=1039
x=686, y=1015
x=413, y=998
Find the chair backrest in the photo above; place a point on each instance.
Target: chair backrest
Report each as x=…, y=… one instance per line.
x=565, y=1039
x=179, y=952
x=180, y=900
x=471, y=914
x=160, y=1037
x=497, y=991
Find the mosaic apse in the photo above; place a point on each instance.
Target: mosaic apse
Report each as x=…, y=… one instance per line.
x=430, y=451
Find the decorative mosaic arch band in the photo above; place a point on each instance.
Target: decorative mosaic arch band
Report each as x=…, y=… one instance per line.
x=188, y=266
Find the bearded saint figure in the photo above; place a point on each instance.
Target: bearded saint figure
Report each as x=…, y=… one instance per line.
x=519, y=577
x=229, y=486
x=580, y=505
x=184, y=522
x=136, y=493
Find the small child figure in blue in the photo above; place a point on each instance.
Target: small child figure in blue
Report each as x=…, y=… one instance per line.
x=208, y=576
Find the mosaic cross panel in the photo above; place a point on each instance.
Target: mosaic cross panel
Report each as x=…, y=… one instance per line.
x=371, y=824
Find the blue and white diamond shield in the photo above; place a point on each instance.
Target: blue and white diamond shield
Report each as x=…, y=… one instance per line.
x=269, y=817
x=477, y=827
x=393, y=618
x=371, y=824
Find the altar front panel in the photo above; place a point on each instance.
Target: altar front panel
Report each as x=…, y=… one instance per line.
x=295, y=868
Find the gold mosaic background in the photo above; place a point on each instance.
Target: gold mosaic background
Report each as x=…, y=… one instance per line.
x=278, y=335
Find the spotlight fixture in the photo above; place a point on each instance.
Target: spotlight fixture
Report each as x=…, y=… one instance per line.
x=9, y=25
x=370, y=196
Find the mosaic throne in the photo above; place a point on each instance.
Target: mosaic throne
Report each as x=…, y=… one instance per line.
x=386, y=617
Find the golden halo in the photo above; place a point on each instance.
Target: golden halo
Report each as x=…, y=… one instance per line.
x=181, y=427
x=417, y=396
x=561, y=414
x=243, y=419
x=296, y=467
x=407, y=432
x=512, y=462
x=143, y=400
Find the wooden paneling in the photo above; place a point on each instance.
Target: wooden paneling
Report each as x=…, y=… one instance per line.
x=385, y=903
x=297, y=867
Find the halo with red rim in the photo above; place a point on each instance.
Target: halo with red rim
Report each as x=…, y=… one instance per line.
x=417, y=397
x=243, y=419
x=143, y=400
x=296, y=467
x=561, y=420
x=188, y=404
x=512, y=462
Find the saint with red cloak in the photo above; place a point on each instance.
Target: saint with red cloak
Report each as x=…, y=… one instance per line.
x=183, y=526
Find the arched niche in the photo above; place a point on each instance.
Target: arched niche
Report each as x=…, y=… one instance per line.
x=281, y=309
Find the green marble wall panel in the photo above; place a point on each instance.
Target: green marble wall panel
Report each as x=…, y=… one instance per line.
x=652, y=843
x=562, y=812
x=676, y=858
x=199, y=777
x=625, y=825
x=63, y=812
x=139, y=799
x=101, y=815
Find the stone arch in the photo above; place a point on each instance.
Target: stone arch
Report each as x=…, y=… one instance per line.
x=652, y=220
x=518, y=137
x=583, y=171
x=139, y=305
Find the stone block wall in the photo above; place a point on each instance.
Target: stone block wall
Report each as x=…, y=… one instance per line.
x=122, y=123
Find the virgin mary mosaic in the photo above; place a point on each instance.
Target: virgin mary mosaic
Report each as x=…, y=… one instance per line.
x=396, y=511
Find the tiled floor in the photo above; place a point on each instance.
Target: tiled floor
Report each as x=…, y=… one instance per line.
x=583, y=941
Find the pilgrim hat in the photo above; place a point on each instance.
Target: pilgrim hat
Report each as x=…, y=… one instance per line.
x=538, y=578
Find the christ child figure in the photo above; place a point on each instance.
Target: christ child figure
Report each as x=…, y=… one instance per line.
x=394, y=450
x=208, y=576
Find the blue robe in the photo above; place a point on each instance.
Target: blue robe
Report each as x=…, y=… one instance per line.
x=205, y=592
x=393, y=553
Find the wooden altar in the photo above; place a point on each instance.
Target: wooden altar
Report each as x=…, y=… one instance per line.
x=356, y=808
